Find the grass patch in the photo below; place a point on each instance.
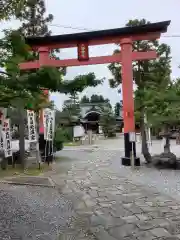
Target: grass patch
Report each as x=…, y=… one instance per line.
x=18, y=171
x=62, y=158
x=78, y=143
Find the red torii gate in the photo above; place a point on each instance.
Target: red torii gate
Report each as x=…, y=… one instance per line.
x=124, y=37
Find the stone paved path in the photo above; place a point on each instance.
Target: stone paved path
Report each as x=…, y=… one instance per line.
x=96, y=199
x=110, y=204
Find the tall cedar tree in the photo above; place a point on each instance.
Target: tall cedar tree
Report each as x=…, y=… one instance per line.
x=94, y=99
x=145, y=73
x=117, y=109
x=108, y=122
x=34, y=21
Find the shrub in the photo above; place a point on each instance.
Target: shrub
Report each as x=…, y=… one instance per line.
x=59, y=138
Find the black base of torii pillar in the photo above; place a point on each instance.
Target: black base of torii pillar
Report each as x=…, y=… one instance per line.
x=126, y=160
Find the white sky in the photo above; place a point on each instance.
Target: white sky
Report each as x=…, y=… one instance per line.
x=97, y=15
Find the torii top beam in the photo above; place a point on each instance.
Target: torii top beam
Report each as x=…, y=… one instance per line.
x=143, y=32
x=82, y=40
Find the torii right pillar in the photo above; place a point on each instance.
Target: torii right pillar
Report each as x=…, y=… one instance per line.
x=128, y=101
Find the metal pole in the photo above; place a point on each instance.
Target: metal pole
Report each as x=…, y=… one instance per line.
x=132, y=157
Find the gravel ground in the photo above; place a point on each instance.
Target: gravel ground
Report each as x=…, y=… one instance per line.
x=32, y=213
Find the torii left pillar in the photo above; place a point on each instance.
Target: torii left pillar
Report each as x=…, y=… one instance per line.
x=128, y=101
x=44, y=146
x=43, y=56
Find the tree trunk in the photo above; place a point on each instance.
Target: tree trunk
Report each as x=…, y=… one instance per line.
x=145, y=149
x=178, y=138
x=167, y=144
x=22, y=137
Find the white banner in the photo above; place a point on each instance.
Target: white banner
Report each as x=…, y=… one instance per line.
x=6, y=136
x=49, y=123
x=3, y=114
x=45, y=121
x=31, y=126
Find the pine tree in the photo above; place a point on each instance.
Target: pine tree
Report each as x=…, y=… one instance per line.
x=9, y=8
x=34, y=21
x=163, y=108
x=85, y=99
x=117, y=109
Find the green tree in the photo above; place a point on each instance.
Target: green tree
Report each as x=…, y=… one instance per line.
x=95, y=98
x=108, y=123
x=145, y=73
x=9, y=8
x=117, y=109
x=21, y=88
x=84, y=99
x=163, y=108
x=34, y=21
x=71, y=108
x=98, y=99
x=79, y=84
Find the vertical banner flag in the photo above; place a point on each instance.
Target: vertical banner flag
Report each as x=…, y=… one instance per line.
x=31, y=126
x=3, y=114
x=45, y=121
x=6, y=135
x=41, y=125
x=49, y=123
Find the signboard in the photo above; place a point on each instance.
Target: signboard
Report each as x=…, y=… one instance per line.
x=132, y=137
x=6, y=136
x=32, y=136
x=100, y=130
x=49, y=123
x=78, y=131
x=83, y=51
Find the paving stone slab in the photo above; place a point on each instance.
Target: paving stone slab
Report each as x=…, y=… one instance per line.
x=160, y=232
x=123, y=231
x=30, y=180
x=100, y=233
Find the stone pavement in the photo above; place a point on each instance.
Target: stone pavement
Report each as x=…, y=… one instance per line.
x=110, y=204
x=118, y=144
